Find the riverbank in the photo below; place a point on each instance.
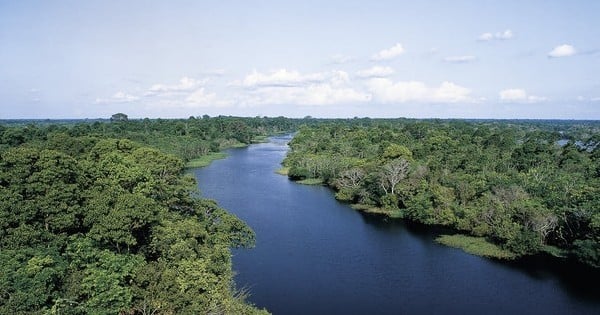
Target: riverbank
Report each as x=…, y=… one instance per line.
x=309, y=247
x=475, y=245
x=308, y=181
x=205, y=160
x=505, y=184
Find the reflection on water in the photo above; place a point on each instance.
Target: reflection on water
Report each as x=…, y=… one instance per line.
x=575, y=277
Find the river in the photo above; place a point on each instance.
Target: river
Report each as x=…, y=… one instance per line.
x=314, y=255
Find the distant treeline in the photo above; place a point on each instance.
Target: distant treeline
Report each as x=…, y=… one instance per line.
x=528, y=186
x=186, y=138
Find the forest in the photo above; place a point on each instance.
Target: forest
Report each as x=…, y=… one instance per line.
x=507, y=188
x=100, y=218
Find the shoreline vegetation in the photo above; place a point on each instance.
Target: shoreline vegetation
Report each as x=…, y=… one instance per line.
x=283, y=171
x=478, y=246
x=205, y=160
x=309, y=181
x=474, y=245
x=507, y=188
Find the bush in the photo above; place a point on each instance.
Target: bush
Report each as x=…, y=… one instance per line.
x=587, y=251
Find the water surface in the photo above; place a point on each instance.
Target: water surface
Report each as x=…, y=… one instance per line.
x=314, y=255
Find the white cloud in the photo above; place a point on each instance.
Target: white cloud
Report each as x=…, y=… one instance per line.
x=339, y=78
x=513, y=95
x=588, y=99
x=340, y=59
x=122, y=96
x=460, y=59
x=519, y=96
x=389, y=53
x=375, y=72
x=200, y=98
x=316, y=94
x=507, y=34
x=185, y=84
x=386, y=91
x=119, y=97
x=292, y=87
x=562, y=51
x=486, y=36
x=324, y=94
x=187, y=93
x=280, y=77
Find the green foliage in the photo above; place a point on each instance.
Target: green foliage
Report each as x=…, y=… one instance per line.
x=283, y=171
x=104, y=287
x=475, y=245
x=28, y=279
x=509, y=182
x=389, y=202
x=311, y=181
x=587, y=251
x=205, y=160
x=118, y=117
x=91, y=224
x=395, y=150
x=524, y=242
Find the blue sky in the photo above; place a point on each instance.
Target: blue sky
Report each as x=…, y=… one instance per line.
x=446, y=59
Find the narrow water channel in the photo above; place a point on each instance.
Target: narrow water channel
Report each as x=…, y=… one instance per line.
x=314, y=255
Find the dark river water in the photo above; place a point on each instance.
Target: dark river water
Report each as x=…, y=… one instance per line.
x=314, y=255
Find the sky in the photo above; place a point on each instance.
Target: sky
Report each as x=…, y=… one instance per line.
x=416, y=59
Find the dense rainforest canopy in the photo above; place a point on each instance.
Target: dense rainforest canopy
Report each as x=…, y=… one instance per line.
x=97, y=218
x=527, y=186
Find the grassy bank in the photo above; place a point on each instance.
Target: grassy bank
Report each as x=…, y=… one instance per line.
x=311, y=181
x=205, y=160
x=475, y=245
x=283, y=171
x=260, y=139
x=395, y=214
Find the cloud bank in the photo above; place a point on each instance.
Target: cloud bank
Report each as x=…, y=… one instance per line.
x=387, y=91
x=292, y=87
